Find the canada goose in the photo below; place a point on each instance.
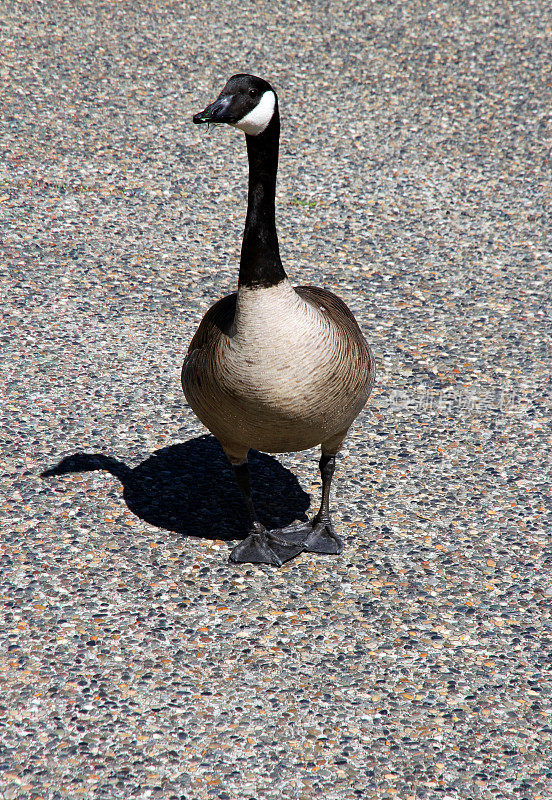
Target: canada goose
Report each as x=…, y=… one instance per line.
x=273, y=367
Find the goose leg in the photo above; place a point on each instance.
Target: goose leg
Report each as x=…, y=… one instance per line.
x=261, y=546
x=318, y=536
x=323, y=538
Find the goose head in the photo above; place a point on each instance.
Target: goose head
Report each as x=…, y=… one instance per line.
x=246, y=102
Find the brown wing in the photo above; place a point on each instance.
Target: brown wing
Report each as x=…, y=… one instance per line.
x=336, y=309
x=341, y=316
x=217, y=320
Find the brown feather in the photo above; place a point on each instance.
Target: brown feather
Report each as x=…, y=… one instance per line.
x=217, y=321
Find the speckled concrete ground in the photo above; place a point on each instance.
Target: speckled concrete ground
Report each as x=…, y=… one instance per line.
x=415, y=181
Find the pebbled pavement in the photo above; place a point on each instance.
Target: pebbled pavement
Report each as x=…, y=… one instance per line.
x=415, y=182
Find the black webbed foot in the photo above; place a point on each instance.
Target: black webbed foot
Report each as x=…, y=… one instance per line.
x=323, y=539
x=317, y=536
x=296, y=533
x=264, y=547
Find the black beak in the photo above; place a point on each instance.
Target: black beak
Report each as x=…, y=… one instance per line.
x=219, y=111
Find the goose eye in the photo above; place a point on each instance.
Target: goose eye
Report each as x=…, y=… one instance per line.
x=252, y=93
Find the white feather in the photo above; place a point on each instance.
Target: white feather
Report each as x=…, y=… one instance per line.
x=258, y=118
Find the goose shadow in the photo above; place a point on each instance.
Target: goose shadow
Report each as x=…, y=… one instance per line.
x=189, y=488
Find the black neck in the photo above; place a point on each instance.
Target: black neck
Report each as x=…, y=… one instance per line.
x=260, y=263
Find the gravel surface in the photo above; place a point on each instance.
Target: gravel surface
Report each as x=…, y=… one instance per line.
x=415, y=182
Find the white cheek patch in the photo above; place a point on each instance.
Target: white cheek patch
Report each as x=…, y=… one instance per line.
x=258, y=118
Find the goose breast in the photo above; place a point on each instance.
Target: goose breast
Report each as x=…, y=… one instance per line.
x=277, y=368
